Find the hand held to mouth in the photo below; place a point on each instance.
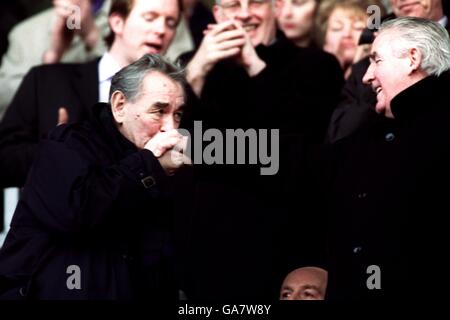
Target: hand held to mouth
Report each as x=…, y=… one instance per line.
x=221, y=41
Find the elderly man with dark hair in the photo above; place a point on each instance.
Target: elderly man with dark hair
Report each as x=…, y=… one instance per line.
x=388, y=188
x=59, y=93
x=94, y=218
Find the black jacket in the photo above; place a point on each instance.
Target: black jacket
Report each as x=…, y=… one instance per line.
x=85, y=203
x=244, y=224
x=389, y=197
x=34, y=112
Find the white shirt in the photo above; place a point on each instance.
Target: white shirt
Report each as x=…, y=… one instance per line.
x=107, y=68
x=443, y=21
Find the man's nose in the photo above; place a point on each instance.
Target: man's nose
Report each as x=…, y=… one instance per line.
x=368, y=76
x=159, y=26
x=243, y=12
x=168, y=123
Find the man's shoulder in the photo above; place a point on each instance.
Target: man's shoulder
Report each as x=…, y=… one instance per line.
x=40, y=22
x=59, y=72
x=66, y=132
x=65, y=67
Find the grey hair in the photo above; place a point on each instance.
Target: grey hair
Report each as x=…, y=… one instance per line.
x=429, y=37
x=129, y=79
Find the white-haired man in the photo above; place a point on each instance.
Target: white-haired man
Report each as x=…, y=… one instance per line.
x=388, y=186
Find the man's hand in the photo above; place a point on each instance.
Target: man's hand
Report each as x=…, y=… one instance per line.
x=221, y=41
x=169, y=148
x=248, y=57
x=63, y=116
x=62, y=36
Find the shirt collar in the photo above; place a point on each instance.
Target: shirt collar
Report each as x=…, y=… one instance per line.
x=107, y=67
x=443, y=21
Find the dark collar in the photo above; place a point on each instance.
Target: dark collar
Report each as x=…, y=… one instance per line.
x=423, y=96
x=104, y=121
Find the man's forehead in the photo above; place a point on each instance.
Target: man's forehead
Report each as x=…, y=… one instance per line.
x=162, y=6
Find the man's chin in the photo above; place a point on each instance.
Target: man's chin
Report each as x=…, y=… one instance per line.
x=380, y=108
x=151, y=51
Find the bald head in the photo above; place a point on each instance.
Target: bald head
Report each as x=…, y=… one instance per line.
x=307, y=283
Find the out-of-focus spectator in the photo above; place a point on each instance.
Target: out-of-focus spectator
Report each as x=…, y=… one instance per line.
x=340, y=24
x=296, y=20
x=28, y=42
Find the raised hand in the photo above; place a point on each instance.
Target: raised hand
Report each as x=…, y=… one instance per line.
x=63, y=116
x=221, y=41
x=62, y=36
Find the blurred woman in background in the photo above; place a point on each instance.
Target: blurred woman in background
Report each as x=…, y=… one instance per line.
x=339, y=24
x=296, y=20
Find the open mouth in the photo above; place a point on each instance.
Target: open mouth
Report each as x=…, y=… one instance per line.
x=153, y=47
x=250, y=27
x=378, y=90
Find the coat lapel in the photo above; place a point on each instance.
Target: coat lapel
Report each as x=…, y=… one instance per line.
x=85, y=84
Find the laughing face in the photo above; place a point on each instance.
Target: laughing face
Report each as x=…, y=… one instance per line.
x=149, y=28
x=428, y=9
x=257, y=17
x=389, y=72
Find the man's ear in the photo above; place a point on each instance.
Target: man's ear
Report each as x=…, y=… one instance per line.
x=415, y=59
x=116, y=23
x=218, y=14
x=118, y=102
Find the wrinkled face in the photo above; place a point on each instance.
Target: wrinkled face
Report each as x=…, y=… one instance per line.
x=389, y=71
x=342, y=35
x=149, y=28
x=307, y=283
x=157, y=108
x=429, y=9
x=296, y=18
x=257, y=17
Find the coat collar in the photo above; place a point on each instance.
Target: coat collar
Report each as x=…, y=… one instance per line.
x=103, y=120
x=421, y=97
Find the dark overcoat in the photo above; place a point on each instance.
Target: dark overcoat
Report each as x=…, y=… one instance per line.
x=94, y=203
x=389, y=198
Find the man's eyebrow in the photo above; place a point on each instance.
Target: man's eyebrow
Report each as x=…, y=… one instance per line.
x=373, y=55
x=160, y=105
x=310, y=286
x=286, y=288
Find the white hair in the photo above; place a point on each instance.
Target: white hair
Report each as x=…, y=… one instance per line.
x=429, y=37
